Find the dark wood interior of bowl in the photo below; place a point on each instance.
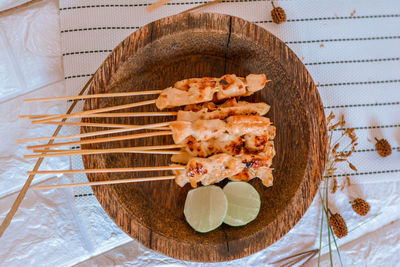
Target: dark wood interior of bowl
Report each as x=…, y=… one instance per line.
x=197, y=45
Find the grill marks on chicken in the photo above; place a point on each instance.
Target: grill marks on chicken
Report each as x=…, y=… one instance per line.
x=203, y=130
x=218, y=167
x=199, y=90
x=230, y=144
x=229, y=140
x=211, y=112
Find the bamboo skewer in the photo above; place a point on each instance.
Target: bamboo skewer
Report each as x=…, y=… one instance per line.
x=123, y=181
x=89, y=134
x=107, y=115
x=102, y=140
x=109, y=149
x=141, y=150
x=77, y=97
x=112, y=170
x=91, y=124
x=91, y=152
x=93, y=111
x=22, y=193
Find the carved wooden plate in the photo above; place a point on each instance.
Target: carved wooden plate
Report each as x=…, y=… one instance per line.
x=197, y=45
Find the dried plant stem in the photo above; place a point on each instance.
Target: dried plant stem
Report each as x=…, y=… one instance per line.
x=296, y=258
x=325, y=210
x=320, y=237
x=329, y=233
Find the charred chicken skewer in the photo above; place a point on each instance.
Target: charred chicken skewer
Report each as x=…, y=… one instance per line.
x=186, y=92
x=218, y=167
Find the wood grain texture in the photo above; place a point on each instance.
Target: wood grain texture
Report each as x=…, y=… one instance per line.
x=197, y=45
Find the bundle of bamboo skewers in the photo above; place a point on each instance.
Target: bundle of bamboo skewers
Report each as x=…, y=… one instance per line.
x=198, y=132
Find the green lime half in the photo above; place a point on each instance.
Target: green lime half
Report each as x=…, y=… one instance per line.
x=243, y=203
x=205, y=208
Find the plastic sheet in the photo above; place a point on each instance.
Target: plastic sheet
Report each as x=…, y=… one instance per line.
x=30, y=49
x=372, y=239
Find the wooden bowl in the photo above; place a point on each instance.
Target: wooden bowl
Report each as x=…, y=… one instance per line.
x=197, y=45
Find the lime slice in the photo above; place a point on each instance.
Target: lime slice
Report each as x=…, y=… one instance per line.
x=205, y=208
x=243, y=203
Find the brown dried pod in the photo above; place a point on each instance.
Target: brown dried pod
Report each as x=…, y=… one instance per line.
x=330, y=117
x=335, y=148
x=352, y=166
x=338, y=225
x=360, y=206
x=278, y=14
x=335, y=185
x=383, y=147
x=334, y=126
x=348, y=181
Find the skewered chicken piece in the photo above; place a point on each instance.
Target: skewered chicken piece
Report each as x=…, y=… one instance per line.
x=216, y=168
x=264, y=173
x=198, y=90
x=230, y=144
x=211, y=111
x=206, y=129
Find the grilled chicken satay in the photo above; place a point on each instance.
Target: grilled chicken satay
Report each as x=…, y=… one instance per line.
x=218, y=167
x=211, y=111
x=199, y=90
x=230, y=144
x=237, y=147
x=206, y=129
x=264, y=173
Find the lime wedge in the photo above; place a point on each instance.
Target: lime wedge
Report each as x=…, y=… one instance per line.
x=205, y=208
x=243, y=203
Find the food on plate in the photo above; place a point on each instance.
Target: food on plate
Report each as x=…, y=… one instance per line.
x=206, y=129
x=210, y=111
x=205, y=208
x=243, y=203
x=199, y=90
x=220, y=166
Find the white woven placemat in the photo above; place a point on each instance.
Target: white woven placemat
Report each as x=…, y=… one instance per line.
x=351, y=49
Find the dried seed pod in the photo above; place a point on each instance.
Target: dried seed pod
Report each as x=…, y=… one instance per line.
x=348, y=181
x=335, y=185
x=383, y=147
x=352, y=166
x=338, y=225
x=334, y=126
x=278, y=14
x=330, y=117
x=335, y=148
x=360, y=206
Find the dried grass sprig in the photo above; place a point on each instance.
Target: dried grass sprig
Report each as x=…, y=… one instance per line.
x=338, y=150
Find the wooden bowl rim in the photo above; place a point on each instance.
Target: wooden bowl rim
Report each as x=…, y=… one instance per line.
x=317, y=169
